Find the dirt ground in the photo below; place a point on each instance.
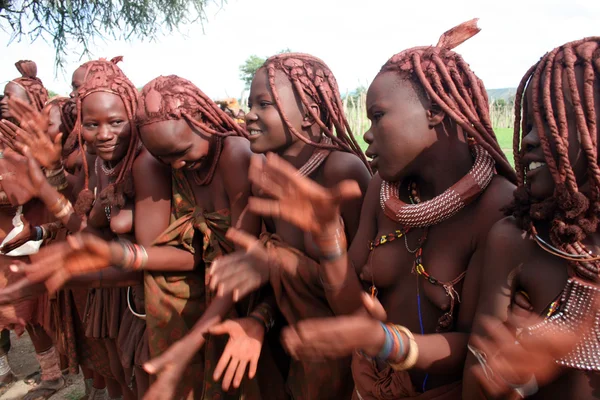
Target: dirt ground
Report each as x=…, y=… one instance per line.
x=23, y=362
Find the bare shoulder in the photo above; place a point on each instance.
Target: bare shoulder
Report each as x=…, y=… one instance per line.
x=505, y=235
x=341, y=165
x=235, y=147
x=497, y=195
x=234, y=161
x=145, y=163
x=489, y=208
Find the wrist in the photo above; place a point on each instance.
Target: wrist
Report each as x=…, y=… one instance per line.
x=255, y=326
x=55, y=166
x=376, y=339
x=116, y=253
x=332, y=242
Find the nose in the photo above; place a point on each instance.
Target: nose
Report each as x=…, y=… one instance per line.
x=104, y=133
x=250, y=116
x=368, y=136
x=531, y=140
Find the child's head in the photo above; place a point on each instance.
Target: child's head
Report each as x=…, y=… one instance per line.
x=180, y=125
x=423, y=94
x=557, y=107
x=27, y=88
x=106, y=104
x=295, y=98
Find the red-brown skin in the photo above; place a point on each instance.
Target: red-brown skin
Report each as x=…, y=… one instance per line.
x=432, y=144
x=12, y=91
x=515, y=263
x=275, y=137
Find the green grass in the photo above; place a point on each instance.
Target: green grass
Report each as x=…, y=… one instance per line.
x=504, y=135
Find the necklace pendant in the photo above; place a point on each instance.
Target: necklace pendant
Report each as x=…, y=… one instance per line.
x=373, y=291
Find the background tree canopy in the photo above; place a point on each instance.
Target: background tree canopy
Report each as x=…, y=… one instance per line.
x=64, y=21
x=252, y=63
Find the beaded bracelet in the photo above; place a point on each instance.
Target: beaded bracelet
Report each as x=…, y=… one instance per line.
x=413, y=351
x=39, y=233
x=134, y=257
x=62, y=208
x=57, y=178
x=263, y=314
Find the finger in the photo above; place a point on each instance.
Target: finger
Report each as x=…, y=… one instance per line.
x=245, y=288
x=489, y=387
x=264, y=207
x=224, y=268
x=15, y=157
x=253, y=365
x=6, y=142
x=239, y=282
x=223, y=362
x=241, y=238
x=346, y=190
x=57, y=281
x=291, y=341
x=239, y=373
x=228, y=378
x=374, y=307
x=13, y=129
x=157, y=364
x=58, y=140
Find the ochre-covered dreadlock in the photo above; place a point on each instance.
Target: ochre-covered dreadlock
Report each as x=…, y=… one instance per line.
x=174, y=98
x=573, y=214
x=448, y=81
x=93, y=66
x=313, y=82
x=33, y=86
x=105, y=76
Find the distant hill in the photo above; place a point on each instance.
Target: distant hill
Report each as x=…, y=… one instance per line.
x=504, y=94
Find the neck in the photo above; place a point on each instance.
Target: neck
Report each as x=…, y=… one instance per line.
x=297, y=154
x=450, y=166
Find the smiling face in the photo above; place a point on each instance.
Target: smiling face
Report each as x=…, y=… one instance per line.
x=176, y=143
x=268, y=132
x=12, y=91
x=538, y=177
x=105, y=125
x=400, y=127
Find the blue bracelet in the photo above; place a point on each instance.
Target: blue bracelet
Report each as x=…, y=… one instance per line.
x=386, y=350
x=39, y=233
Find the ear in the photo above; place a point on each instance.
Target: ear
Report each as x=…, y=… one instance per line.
x=435, y=115
x=308, y=118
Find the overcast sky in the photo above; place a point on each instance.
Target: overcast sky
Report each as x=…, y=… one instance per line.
x=353, y=37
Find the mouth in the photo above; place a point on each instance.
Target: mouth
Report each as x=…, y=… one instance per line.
x=193, y=165
x=372, y=158
x=106, y=149
x=254, y=133
x=535, y=165
x=532, y=169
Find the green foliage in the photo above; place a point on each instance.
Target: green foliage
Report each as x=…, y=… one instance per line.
x=252, y=64
x=249, y=68
x=52, y=93
x=67, y=21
